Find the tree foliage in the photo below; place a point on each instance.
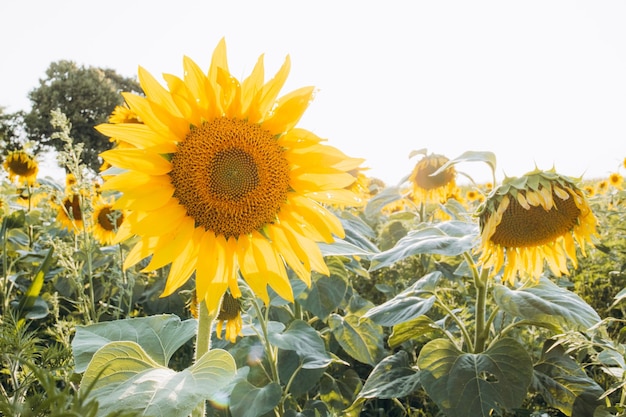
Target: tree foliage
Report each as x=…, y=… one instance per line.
x=86, y=95
x=11, y=131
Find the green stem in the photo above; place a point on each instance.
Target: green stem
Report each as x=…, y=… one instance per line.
x=466, y=337
x=480, y=336
x=203, y=343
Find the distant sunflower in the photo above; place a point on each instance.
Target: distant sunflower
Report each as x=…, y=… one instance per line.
x=229, y=315
x=432, y=188
x=69, y=212
x=602, y=187
x=220, y=181
x=106, y=221
x=21, y=166
x=535, y=218
x=616, y=180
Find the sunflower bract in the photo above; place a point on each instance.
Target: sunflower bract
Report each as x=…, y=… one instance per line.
x=218, y=181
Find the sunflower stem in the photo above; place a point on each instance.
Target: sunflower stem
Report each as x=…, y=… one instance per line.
x=481, y=332
x=203, y=343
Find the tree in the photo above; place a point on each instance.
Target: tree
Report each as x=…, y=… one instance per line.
x=86, y=95
x=12, y=134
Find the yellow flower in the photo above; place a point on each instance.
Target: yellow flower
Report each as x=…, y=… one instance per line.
x=221, y=181
x=106, y=221
x=22, y=166
x=230, y=314
x=69, y=212
x=616, y=180
x=535, y=218
x=602, y=186
x=437, y=188
x=123, y=114
x=589, y=190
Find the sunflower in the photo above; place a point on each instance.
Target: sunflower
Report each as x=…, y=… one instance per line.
x=221, y=181
x=69, y=212
x=602, y=187
x=434, y=188
x=616, y=180
x=531, y=219
x=229, y=315
x=22, y=166
x=106, y=221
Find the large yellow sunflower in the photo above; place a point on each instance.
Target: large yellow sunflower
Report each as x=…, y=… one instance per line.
x=21, y=166
x=534, y=219
x=221, y=181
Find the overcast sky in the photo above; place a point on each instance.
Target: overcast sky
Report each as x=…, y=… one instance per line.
x=535, y=82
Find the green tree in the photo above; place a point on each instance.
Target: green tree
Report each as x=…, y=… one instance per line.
x=86, y=95
x=12, y=135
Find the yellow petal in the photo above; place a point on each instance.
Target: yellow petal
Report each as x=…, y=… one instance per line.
x=288, y=111
x=160, y=222
x=172, y=245
x=184, y=265
x=138, y=160
x=340, y=197
x=266, y=98
x=157, y=93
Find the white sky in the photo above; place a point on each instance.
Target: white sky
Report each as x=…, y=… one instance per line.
x=535, y=82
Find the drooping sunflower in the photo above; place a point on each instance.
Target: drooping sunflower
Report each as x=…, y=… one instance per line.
x=106, y=221
x=230, y=317
x=21, y=167
x=534, y=219
x=221, y=181
x=432, y=188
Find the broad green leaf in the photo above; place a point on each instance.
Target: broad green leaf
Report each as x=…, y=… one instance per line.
x=361, y=338
x=305, y=341
x=407, y=305
x=123, y=377
x=290, y=369
x=338, y=394
x=160, y=336
x=247, y=400
x=467, y=384
x=325, y=293
x=547, y=303
x=450, y=238
x=413, y=329
x=471, y=156
x=341, y=247
x=387, y=196
x=393, y=377
x=564, y=384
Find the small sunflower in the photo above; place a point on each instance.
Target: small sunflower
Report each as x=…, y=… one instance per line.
x=21, y=166
x=69, y=212
x=220, y=181
x=432, y=188
x=616, y=180
x=602, y=187
x=106, y=221
x=229, y=315
x=535, y=218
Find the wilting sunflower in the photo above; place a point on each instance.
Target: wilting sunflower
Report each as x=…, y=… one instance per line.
x=531, y=219
x=229, y=315
x=21, y=166
x=221, y=181
x=432, y=188
x=106, y=221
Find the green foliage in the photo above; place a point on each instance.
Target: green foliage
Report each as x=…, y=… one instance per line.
x=87, y=95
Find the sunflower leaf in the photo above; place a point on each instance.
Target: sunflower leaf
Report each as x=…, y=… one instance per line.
x=360, y=337
x=450, y=238
x=159, y=336
x=305, y=341
x=393, y=377
x=470, y=156
x=123, y=377
x=249, y=401
x=467, y=384
x=547, y=303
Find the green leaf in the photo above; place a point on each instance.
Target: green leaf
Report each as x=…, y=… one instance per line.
x=338, y=394
x=247, y=400
x=375, y=204
x=32, y=293
x=305, y=341
x=413, y=329
x=393, y=377
x=361, y=338
x=325, y=293
x=547, y=303
x=471, y=156
x=160, y=336
x=290, y=369
x=408, y=304
x=564, y=384
x=123, y=377
x=450, y=238
x=468, y=384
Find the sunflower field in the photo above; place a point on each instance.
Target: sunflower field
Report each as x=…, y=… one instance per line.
x=227, y=262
